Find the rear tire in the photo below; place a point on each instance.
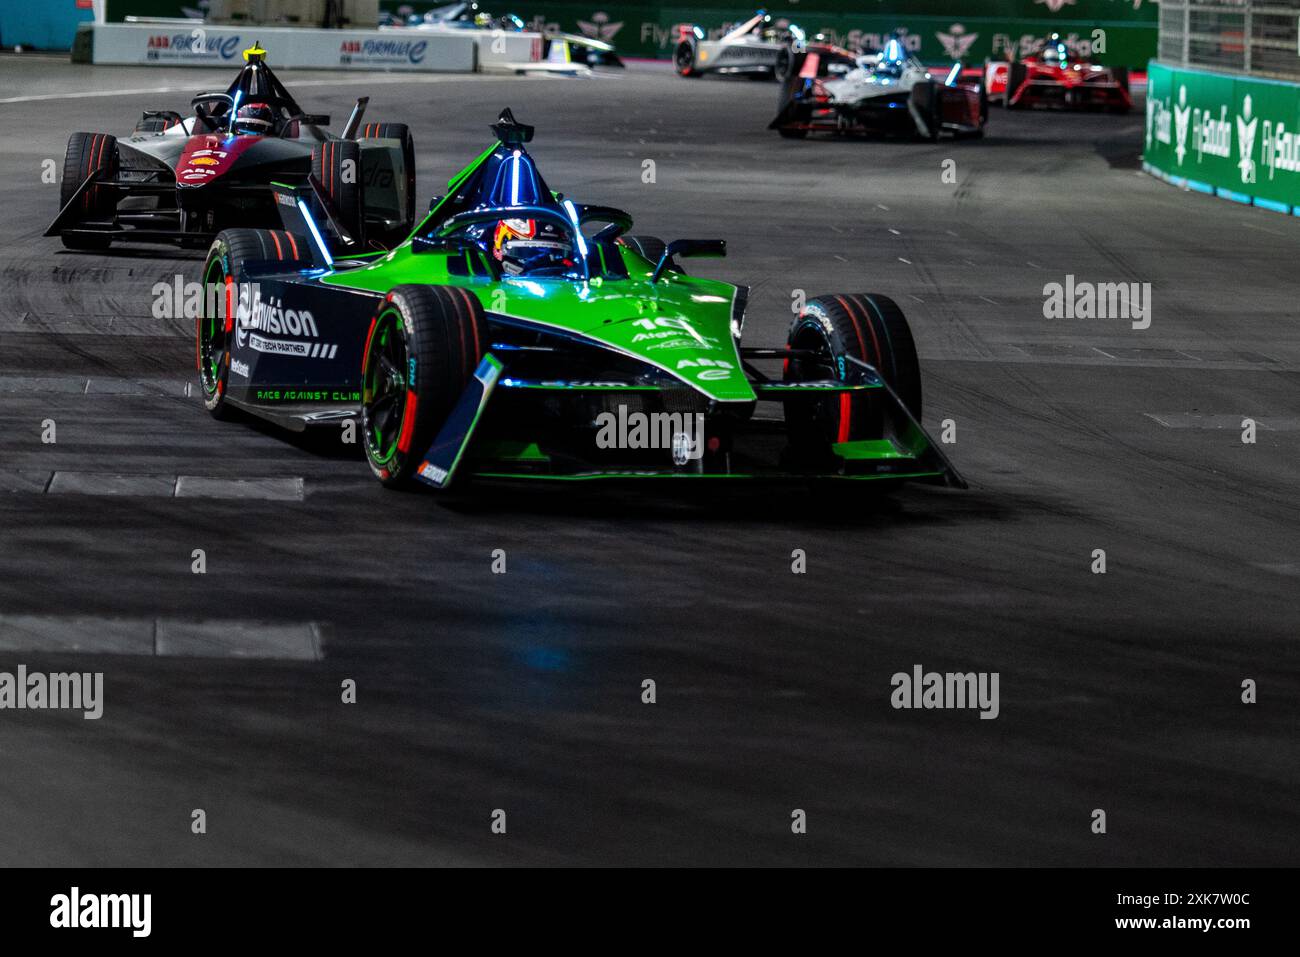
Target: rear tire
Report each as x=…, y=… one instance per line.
x=1016, y=75
x=1122, y=78
x=784, y=60
x=223, y=267
x=978, y=132
x=398, y=131
x=88, y=153
x=684, y=59
x=867, y=327
x=421, y=352
x=790, y=86
x=336, y=167
x=932, y=97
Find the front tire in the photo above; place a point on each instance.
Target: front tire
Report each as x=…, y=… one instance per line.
x=215, y=332
x=830, y=329
x=421, y=352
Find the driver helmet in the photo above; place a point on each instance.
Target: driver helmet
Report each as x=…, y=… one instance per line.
x=257, y=118
x=1055, y=48
x=892, y=59
x=515, y=240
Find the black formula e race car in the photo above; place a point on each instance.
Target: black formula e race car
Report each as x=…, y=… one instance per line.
x=183, y=179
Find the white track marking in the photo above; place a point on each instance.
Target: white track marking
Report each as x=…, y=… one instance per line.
x=281, y=489
x=271, y=489
x=163, y=637
x=78, y=385
x=1228, y=420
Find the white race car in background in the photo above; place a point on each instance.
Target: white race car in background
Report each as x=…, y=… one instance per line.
x=470, y=16
x=832, y=90
x=759, y=47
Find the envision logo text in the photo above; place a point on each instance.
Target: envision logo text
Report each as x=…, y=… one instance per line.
x=1105, y=300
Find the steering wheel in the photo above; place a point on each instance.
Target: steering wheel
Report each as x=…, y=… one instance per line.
x=544, y=259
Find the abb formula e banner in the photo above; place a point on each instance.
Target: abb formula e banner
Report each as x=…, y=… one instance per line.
x=202, y=45
x=1231, y=136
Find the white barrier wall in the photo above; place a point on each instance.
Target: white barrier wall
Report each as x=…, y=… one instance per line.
x=202, y=45
x=497, y=49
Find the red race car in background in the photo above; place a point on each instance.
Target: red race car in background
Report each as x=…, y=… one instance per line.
x=1056, y=76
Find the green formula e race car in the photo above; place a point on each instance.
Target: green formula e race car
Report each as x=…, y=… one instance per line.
x=518, y=334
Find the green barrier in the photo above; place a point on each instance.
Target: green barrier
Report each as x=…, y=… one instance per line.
x=936, y=30
x=1230, y=136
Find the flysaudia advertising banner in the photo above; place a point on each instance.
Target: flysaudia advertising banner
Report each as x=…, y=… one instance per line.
x=1235, y=136
x=935, y=30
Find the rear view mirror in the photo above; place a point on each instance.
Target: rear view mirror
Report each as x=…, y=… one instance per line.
x=688, y=248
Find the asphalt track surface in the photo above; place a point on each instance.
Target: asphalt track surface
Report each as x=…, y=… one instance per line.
x=522, y=691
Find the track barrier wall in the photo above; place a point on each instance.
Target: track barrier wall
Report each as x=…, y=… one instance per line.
x=1231, y=136
x=173, y=44
x=937, y=30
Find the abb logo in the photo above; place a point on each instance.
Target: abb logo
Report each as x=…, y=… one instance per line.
x=350, y=46
x=158, y=43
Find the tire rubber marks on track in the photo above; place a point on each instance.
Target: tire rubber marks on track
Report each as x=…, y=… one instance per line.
x=1208, y=420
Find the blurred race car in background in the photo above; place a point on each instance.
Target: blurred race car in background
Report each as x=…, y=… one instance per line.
x=831, y=90
x=183, y=179
x=760, y=48
x=470, y=16
x=1057, y=76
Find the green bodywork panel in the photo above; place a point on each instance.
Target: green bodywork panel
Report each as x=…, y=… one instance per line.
x=682, y=324
x=869, y=449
